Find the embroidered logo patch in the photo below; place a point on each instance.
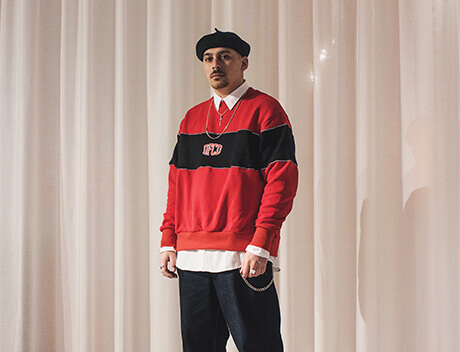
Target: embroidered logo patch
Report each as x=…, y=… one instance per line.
x=212, y=149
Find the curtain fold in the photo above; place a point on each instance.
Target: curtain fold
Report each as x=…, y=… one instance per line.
x=334, y=130
x=91, y=97
x=379, y=186
x=295, y=64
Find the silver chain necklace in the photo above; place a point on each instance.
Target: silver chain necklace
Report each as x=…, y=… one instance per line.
x=221, y=115
x=231, y=118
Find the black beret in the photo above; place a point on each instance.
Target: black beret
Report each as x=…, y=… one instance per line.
x=222, y=39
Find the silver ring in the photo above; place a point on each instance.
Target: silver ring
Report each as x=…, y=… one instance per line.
x=252, y=272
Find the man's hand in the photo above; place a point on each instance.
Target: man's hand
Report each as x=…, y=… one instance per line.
x=168, y=264
x=253, y=265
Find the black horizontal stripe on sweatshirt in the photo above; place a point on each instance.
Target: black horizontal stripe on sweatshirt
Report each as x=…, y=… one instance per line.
x=243, y=149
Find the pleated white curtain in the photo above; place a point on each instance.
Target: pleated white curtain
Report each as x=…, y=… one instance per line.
x=91, y=96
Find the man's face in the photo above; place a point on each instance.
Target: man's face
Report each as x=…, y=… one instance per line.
x=224, y=69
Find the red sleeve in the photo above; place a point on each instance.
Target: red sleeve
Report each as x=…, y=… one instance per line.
x=279, y=192
x=168, y=227
x=280, y=173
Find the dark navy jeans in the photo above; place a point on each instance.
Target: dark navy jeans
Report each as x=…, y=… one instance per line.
x=213, y=303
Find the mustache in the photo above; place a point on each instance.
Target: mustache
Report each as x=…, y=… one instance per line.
x=216, y=72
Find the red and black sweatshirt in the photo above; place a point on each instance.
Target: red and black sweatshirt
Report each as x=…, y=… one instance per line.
x=238, y=189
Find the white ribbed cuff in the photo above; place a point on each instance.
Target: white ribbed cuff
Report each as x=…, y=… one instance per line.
x=167, y=249
x=260, y=252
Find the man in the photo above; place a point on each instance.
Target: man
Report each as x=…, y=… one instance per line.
x=232, y=181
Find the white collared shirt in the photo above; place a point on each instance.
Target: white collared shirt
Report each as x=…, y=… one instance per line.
x=232, y=98
x=213, y=260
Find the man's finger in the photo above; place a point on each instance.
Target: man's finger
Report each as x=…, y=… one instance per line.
x=257, y=268
x=164, y=260
x=262, y=267
x=164, y=269
x=168, y=273
x=244, y=270
x=173, y=262
x=171, y=269
x=171, y=274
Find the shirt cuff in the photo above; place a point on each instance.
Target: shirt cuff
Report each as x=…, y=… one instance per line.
x=167, y=249
x=260, y=252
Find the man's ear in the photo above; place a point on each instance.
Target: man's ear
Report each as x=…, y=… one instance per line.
x=244, y=63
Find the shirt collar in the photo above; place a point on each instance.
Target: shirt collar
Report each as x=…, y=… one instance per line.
x=233, y=97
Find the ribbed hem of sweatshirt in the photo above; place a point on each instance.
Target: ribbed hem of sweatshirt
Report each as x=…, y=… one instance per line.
x=231, y=241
